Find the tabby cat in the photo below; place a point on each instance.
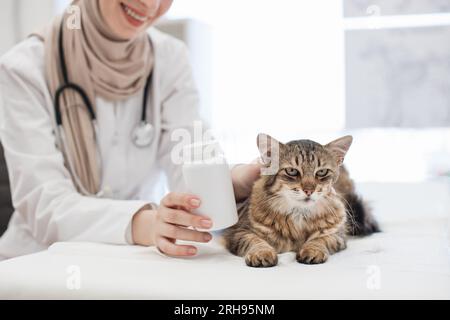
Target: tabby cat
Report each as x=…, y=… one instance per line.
x=307, y=205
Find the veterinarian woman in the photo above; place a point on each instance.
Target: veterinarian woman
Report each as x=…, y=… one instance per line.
x=86, y=120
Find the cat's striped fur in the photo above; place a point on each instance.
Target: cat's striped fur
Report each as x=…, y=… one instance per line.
x=305, y=213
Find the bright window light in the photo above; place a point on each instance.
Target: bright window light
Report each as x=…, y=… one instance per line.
x=278, y=65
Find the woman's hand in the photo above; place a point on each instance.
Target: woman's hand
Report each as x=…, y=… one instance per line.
x=243, y=177
x=164, y=226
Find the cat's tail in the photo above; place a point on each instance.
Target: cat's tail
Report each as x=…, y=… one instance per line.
x=360, y=219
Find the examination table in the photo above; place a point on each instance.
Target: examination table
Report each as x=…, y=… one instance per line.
x=410, y=259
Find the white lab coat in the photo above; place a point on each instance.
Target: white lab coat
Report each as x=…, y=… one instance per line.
x=47, y=207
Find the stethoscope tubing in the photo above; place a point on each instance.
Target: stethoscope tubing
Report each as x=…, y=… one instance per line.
x=143, y=125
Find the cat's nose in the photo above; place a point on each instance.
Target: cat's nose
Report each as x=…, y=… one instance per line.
x=308, y=192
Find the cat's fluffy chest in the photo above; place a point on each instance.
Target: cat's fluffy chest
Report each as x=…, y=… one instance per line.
x=289, y=231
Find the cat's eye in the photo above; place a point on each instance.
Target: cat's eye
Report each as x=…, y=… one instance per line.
x=292, y=172
x=322, y=173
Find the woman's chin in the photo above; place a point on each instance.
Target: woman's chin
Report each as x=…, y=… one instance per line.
x=126, y=32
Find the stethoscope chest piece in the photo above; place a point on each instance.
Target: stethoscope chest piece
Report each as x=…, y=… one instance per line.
x=143, y=134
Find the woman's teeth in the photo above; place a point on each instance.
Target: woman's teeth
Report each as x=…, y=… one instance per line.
x=133, y=13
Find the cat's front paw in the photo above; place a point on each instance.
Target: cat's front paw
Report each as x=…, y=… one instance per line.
x=312, y=256
x=262, y=258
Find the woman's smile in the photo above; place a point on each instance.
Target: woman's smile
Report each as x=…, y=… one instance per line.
x=128, y=19
x=134, y=17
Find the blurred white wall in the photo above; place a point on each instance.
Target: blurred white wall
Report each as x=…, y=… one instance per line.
x=18, y=18
x=198, y=38
x=7, y=25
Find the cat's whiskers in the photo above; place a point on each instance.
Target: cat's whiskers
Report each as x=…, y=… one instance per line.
x=350, y=211
x=328, y=207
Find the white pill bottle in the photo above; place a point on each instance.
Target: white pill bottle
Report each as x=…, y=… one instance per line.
x=207, y=175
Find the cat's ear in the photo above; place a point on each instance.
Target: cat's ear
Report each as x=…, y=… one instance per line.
x=340, y=148
x=268, y=147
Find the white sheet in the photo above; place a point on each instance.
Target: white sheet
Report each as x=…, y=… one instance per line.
x=412, y=261
x=411, y=258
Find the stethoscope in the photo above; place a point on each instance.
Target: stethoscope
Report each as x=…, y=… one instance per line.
x=142, y=135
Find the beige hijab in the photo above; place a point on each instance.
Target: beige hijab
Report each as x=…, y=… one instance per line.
x=102, y=65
